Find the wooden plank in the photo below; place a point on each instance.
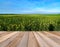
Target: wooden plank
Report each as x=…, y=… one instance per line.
x=6, y=39
x=48, y=40
x=40, y=41
x=24, y=41
x=32, y=42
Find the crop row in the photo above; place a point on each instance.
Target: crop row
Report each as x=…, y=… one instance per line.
x=29, y=23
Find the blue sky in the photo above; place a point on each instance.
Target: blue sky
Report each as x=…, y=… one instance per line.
x=29, y=6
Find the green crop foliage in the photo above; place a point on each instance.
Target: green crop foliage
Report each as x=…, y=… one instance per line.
x=29, y=22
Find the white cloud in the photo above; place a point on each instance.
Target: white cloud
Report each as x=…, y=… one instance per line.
x=42, y=10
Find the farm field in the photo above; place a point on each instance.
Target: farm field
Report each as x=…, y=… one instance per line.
x=29, y=22
x=29, y=39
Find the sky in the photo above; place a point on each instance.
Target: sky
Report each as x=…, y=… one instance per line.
x=29, y=6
